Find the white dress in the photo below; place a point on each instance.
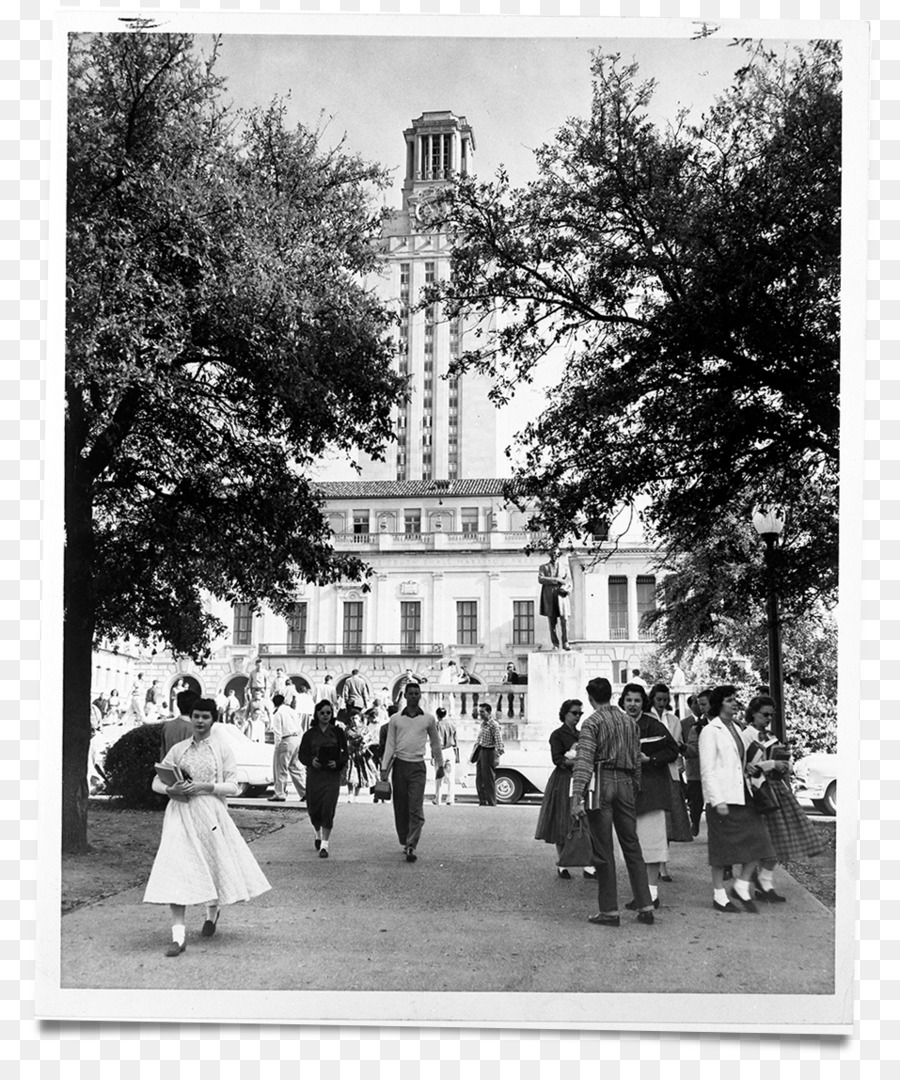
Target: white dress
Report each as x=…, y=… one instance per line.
x=202, y=856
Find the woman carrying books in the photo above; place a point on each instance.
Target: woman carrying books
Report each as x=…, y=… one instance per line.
x=324, y=752
x=202, y=857
x=658, y=750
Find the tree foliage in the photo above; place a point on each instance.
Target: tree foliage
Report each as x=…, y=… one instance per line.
x=219, y=339
x=689, y=276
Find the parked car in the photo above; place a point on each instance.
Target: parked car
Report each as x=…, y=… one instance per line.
x=520, y=772
x=815, y=778
x=253, y=760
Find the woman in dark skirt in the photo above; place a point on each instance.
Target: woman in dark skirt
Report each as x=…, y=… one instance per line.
x=654, y=800
x=555, y=818
x=737, y=834
x=323, y=750
x=678, y=824
x=792, y=835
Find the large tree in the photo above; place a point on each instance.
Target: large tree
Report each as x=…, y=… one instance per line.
x=688, y=275
x=219, y=340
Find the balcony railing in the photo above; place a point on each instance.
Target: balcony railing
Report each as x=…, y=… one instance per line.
x=351, y=648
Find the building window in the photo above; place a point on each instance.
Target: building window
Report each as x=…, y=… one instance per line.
x=646, y=600
x=412, y=521
x=618, y=608
x=469, y=519
x=410, y=626
x=243, y=624
x=467, y=622
x=296, y=622
x=523, y=622
x=353, y=624
x=361, y=522
x=429, y=273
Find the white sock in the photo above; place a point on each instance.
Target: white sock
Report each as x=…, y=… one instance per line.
x=324, y=845
x=318, y=834
x=766, y=880
x=742, y=888
x=178, y=933
x=720, y=896
x=654, y=892
x=212, y=910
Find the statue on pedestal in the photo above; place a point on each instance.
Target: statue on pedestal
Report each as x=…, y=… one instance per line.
x=556, y=585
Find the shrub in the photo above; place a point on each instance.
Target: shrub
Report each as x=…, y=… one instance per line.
x=811, y=721
x=129, y=768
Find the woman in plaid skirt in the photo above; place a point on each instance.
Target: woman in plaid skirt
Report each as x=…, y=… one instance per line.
x=792, y=835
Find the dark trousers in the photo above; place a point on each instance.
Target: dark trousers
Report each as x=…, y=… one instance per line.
x=408, y=782
x=561, y=619
x=486, y=776
x=616, y=810
x=695, y=802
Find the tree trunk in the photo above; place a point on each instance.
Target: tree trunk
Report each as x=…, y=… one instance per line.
x=77, y=651
x=78, y=643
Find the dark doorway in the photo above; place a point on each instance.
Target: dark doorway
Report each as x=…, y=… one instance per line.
x=238, y=683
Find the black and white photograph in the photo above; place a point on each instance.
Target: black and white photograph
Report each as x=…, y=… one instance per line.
x=456, y=456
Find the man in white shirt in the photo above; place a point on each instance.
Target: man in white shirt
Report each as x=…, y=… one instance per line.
x=285, y=726
x=408, y=734
x=305, y=706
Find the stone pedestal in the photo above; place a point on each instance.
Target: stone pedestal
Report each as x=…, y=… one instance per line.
x=552, y=677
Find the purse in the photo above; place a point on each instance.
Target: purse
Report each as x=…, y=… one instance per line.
x=764, y=798
x=578, y=849
x=381, y=789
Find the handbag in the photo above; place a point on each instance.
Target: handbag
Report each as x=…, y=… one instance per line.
x=764, y=798
x=381, y=789
x=578, y=849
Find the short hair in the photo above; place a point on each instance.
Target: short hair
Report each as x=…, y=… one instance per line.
x=328, y=678
x=185, y=701
x=205, y=704
x=566, y=705
x=759, y=702
x=317, y=709
x=635, y=688
x=635, y=671
x=704, y=693
x=355, y=671
x=717, y=696
x=440, y=713
x=411, y=685
x=485, y=705
x=277, y=699
x=599, y=690
x=658, y=688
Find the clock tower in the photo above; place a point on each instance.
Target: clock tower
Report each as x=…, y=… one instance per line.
x=439, y=146
x=447, y=430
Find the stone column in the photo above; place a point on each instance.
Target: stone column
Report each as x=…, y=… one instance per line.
x=494, y=615
x=632, y=607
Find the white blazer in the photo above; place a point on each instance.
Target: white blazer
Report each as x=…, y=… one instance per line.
x=721, y=767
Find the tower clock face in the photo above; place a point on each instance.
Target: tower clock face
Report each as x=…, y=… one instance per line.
x=424, y=207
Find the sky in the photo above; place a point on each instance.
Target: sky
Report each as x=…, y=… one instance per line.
x=515, y=93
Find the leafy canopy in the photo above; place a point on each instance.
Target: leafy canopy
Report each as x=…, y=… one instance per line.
x=219, y=339
x=688, y=277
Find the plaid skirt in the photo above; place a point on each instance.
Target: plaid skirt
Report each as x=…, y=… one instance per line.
x=790, y=831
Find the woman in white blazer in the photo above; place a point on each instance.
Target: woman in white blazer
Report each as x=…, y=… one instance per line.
x=737, y=834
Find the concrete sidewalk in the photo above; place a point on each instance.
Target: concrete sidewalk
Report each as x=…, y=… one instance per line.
x=482, y=910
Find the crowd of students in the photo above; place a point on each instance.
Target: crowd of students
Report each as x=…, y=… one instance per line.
x=638, y=770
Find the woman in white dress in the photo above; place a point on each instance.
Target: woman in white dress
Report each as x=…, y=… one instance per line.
x=202, y=857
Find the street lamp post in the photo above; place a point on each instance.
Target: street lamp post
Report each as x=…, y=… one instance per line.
x=769, y=525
